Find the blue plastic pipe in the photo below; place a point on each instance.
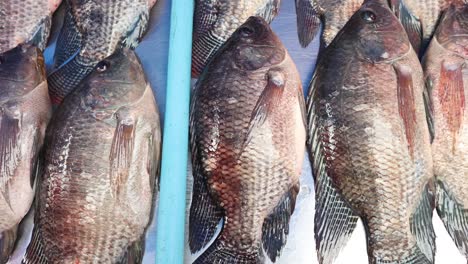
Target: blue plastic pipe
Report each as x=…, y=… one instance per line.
x=171, y=208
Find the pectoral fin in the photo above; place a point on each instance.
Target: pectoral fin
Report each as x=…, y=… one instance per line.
x=121, y=153
x=266, y=103
x=9, y=150
x=452, y=97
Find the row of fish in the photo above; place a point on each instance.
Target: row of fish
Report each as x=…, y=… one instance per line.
x=386, y=135
x=91, y=166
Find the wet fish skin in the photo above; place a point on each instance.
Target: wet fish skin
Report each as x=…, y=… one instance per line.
x=101, y=161
x=216, y=20
x=25, y=110
x=369, y=142
x=332, y=13
x=248, y=140
x=25, y=21
x=103, y=27
x=420, y=19
x=446, y=72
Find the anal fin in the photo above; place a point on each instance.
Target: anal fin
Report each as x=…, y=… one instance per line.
x=205, y=215
x=421, y=226
x=7, y=243
x=276, y=226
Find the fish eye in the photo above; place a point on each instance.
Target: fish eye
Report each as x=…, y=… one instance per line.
x=102, y=66
x=368, y=16
x=246, y=31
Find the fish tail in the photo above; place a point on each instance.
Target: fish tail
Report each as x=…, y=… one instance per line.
x=454, y=216
x=204, y=47
x=69, y=40
x=7, y=244
x=221, y=253
x=66, y=78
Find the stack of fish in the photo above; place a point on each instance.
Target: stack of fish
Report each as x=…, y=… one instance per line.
x=386, y=136
x=97, y=161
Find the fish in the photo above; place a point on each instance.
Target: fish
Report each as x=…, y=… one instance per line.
x=25, y=110
x=420, y=18
x=216, y=20
x=100, y=28
x=333, y=14
x=101, y=166
x=446, y=75
x=247, y=130
x=370, y=143
x=25, y=22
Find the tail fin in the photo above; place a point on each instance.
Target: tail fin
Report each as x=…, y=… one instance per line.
x=66, y=78
x=454, y=216
x=7, y=244
x=220, y=253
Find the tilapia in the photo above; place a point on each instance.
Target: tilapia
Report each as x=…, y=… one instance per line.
x=101, y=162
x=369, y=142
x=25, y=110
x=420, y=18
x=25, y=21
x=332, y=13
x=101, y=27
x=216, y=20
x=248, y=140
x=446, y=70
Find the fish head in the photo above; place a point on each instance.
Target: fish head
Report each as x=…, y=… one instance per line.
x=255, y=46
x=375, y=33
x=452, y=32
x=22, y=68
x=115, y=81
